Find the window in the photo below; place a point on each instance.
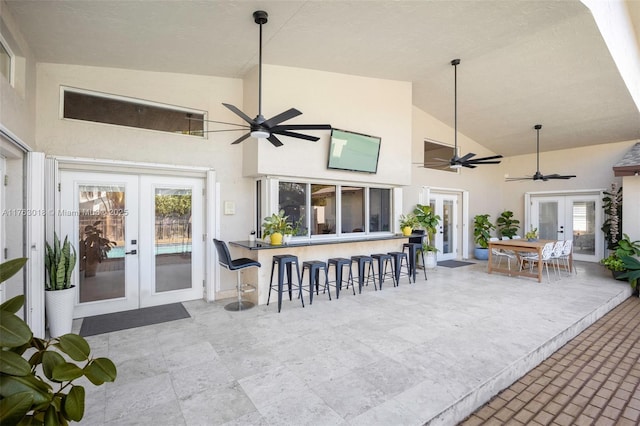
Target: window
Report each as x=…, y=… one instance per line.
x=437, y=156
x=379, y=210
x=121, y=111
x=335, y=209
x=6, y=61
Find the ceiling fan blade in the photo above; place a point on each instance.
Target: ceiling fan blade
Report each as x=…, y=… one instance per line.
x=302, y=127
x=239, y=113
x=241, y=138
x=493, y=157
x=283, y=116
x=514, y=179
x=295, y=135
x=466, y=157
x=244, y=129
x=214, y=121
x=557, y=176
x=481, y=162
x=274, y=141
x=468, y=165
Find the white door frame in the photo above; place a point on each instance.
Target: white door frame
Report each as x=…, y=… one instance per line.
x=462, y=235
x=567, y=196
x=212, y=202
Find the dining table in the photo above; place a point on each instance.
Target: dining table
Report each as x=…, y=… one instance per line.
x=519, y=246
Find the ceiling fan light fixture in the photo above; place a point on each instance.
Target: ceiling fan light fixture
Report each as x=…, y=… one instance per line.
x=455, y=166
x=260, y=134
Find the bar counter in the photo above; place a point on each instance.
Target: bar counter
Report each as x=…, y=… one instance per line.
x=316, y=249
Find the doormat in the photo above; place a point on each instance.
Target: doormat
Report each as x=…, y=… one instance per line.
x=131, y=319
x=454, y=263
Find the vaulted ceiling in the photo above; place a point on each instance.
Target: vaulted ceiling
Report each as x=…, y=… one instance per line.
x=523, y=62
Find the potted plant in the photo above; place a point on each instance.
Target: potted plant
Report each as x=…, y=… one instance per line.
x=507, y=225
x=38, y=375
x=482, y=227
x=631, y=272
x=275, y=226
x=407, y=223
x=59, y=294
x=429, y=221
x=623, y=248
x=532, y=234
x=93, y=249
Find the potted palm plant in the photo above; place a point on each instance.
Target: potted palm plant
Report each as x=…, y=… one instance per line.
x=482, y=228
x=429, y=221
x=93, y=248
x=59, y=261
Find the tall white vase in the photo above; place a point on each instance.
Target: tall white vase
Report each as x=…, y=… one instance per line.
x=59, y=310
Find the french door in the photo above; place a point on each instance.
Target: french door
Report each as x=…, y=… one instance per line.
x=139, y=239
x=446, y=241
x=576, y=217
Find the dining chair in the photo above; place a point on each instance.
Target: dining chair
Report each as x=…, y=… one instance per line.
x=502, y=254
x=547, y=251
x=567, y=250
x=558, y=247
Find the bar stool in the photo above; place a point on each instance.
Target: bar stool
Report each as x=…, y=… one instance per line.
x=398, y=258
x=339, y=263
x=362, y=262
x=284, y=261
x=383, y=261
x=413, y=247
x=224, y=259
x=314, y=267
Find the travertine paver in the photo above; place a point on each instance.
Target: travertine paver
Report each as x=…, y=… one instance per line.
x=592, y=380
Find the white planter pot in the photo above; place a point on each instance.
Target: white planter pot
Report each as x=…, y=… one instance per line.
x=431, y=259
x=59, y=310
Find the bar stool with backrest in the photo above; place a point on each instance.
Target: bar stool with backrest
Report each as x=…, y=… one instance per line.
x=224, y=259
x=383, y=260
x=365, y=264
x=415, y=247
x=285, y=262
x=339, y=263
x=400, y=260
x=315, y=267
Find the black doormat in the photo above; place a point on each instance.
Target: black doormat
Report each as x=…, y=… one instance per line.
x=454, y=263
x=131, y=319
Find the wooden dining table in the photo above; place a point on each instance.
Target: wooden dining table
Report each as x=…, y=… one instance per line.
x=520, y=246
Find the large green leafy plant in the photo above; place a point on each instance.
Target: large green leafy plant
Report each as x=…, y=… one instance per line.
x=507, y=225
x=482, y=227
x=429, y=221
x=37, y=375
x=59, y=262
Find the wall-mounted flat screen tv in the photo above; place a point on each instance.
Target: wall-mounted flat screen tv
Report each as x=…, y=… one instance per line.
x=353, y=151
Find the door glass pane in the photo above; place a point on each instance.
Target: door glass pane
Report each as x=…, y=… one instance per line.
x=584, y=227
x=548, y=220
x=447, y=226
x=292, y=198
x=352, y=209
x=172, y=239
x=101, y=219
x=323, y=209
x=379, y=210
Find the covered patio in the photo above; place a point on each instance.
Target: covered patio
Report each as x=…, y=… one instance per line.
x=433, y=352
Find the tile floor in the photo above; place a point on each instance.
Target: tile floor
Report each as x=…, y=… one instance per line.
x=430, y=352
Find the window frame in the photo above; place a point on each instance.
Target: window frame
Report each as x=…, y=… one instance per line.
x=136, y=101
x=12, y=60
x=275, y=185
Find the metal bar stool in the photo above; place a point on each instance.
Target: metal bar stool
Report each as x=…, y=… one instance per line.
x=314, y=267
x=363, y=262
x=414, y=246
x=224, y=259
x=398, y=258
x=383, y=261
x=284, y=261
x=339, y=263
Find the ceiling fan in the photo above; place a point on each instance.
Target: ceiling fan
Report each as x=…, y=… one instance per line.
x=260, y=127
x=466, y=160
x=539, y=176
